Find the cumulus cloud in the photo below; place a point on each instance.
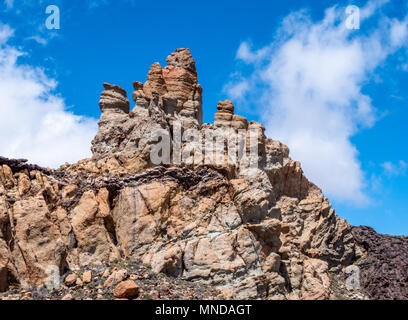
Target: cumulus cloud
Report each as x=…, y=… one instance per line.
x=35, y=123
x=310, y=80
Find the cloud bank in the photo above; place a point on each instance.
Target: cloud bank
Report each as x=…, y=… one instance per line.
x=310, y=80
x=35, y=122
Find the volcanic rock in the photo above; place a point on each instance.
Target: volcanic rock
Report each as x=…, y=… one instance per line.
x=249, y=224
x=126, y=289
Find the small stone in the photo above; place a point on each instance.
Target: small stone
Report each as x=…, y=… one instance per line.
x=115, y=278
x=106, y=273
x=79, y=282
x=126, y=289
x=155, y=295
x=71, y=279
x=87, y=276
x=69, y=192
x=165, y=289
x=67, y=297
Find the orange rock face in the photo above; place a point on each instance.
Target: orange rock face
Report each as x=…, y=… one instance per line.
x=126, y=289
x=252, y=232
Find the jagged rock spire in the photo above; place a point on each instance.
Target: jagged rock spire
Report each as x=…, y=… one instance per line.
x=179, y=94
x=114, y=98
x=262, y=232
x=225, y=116
x=155, y=82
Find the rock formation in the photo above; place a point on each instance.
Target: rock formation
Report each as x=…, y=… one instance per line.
x=383, y=265
x=261, y=231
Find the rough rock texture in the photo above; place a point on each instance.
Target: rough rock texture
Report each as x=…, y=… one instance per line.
x=126, y=289
x=384, y=273
x=151, y=286
x=261, y=231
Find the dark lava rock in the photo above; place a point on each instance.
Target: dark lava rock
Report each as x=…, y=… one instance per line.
x=384, y=270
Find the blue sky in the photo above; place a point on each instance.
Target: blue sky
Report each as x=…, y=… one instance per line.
x=337, y=97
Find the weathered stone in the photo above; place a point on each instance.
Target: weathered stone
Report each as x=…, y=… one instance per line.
x=69, y=192
x=24, y=184
x=87, y=276
x=155, y=83
x=71, y=279
x=116, y=277
x=114, y=98
x=252, y=231
x=39, y=245
x=126, y=289
x=93, y=240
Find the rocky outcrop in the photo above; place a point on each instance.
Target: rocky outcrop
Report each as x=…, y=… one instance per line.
x=383, y=264
x=235, y=214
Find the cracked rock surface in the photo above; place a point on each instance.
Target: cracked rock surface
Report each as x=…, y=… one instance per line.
x=263, y=232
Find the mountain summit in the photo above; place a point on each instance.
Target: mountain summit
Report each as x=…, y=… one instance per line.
x=215, y=204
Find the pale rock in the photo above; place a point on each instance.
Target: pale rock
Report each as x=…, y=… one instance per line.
x=116, y=277
x=87, y=276
x=6, y=177
x=67, y=297
x=24, y=184
x=69, y=192
x=71, y=279
x=114, y=99
x=79, y=282
x=255, y=233
x=94, y=243
x=38, y=241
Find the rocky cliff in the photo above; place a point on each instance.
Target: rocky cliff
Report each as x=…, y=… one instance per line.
x=247, y=222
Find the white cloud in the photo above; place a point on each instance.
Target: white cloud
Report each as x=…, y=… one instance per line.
x=246, y=54
x=38, y=39
x=34, y=122
x=371, y=7
x=399, y=31
x=398, y=169
x=5, y=33
x=310, y=80
x=238, y=90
